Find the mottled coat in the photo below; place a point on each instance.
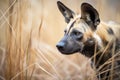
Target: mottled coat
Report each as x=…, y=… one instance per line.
x=88, y=35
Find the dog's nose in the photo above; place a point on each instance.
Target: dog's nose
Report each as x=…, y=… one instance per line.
x=60, y=46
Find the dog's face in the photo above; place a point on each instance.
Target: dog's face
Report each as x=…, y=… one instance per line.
x=78, y=32
x=74, y=37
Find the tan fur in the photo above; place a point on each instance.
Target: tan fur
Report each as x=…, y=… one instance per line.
x=102, y=32
x=104, y=35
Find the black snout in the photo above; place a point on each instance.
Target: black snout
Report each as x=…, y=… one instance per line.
x=68, y=45
x=61, y=46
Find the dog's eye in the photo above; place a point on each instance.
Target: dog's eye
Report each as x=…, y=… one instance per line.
x=76, y=33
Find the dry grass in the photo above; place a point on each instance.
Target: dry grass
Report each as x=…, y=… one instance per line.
x=29, y=30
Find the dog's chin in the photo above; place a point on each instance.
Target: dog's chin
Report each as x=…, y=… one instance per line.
x=67, y=53
x=70, y=52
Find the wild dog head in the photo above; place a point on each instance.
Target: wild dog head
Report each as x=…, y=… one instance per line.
x=78, y=35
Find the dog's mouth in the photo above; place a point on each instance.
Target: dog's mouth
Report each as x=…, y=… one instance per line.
x=69, y=51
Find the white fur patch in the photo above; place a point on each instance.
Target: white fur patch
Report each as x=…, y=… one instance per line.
x=98, y=39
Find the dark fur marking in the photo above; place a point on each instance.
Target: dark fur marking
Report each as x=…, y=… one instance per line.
x=89, y=47
x=117, y=47
x=110, y=31
x=71, y=26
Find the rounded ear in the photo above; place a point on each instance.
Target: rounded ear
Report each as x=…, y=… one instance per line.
x=90, y=15
x=66, y=12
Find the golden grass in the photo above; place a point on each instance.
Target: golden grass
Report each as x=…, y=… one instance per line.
x=29, y=31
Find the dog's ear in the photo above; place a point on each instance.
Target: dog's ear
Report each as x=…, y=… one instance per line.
x=66, y=12
x=90, y=15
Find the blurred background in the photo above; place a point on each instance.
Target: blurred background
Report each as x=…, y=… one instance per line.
x=29, y=32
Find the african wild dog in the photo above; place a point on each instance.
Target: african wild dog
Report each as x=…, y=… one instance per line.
x=97, y=40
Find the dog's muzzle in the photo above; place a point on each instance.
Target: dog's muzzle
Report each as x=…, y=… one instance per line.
x=68, y=45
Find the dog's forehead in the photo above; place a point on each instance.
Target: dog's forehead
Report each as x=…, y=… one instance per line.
x=76, y=23
x=72, y=21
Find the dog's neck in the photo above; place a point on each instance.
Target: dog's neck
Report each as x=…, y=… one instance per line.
x=99, y=60
x=97, y=53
